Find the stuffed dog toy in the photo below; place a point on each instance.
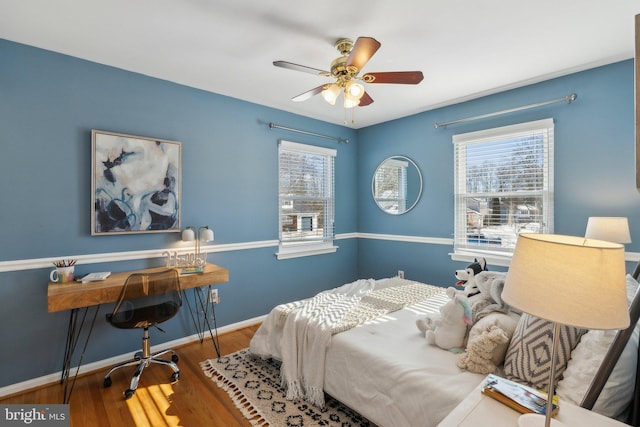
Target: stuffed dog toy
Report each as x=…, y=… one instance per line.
x=466, y=277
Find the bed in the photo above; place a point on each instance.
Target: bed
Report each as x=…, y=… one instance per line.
x=380, y=364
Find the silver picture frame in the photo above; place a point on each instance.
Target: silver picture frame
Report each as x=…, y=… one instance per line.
x=135, y=184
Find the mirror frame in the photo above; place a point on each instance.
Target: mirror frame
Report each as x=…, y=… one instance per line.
x=419, y=195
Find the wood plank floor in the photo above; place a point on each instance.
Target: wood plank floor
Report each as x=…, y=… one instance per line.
x=194, y=401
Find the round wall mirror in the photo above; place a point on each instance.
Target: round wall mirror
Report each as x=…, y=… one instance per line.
x=397, y=185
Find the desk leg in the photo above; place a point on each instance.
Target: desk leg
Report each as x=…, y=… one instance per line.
x=73, y=337
x=204, y=306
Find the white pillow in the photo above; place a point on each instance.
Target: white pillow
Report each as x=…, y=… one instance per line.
x=586, y=359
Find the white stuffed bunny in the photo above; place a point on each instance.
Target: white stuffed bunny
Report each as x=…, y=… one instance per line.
x=448, y=330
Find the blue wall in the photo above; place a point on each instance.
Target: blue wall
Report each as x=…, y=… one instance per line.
x=48, y=105
x=594, y=167
x=50, y=102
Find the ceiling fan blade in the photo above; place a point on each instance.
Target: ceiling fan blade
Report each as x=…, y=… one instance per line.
x=308, y=94
x=303, y=68
x=397, y=77
x=365, y=100
x=362, y=51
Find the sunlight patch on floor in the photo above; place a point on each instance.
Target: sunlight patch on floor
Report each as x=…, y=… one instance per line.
x=150, y=405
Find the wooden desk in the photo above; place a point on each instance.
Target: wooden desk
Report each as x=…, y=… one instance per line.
x=63, y=297
x=83, y=296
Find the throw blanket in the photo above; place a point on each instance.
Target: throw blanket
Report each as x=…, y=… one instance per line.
x=299, y=333
x=305, y=334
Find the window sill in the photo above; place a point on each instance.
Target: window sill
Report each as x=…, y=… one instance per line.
x=493, y=258
x=289, y=252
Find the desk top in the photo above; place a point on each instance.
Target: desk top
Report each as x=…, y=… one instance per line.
x=76, y=295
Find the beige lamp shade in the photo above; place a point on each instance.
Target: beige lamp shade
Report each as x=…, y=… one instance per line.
x=570, y=280
x=608, y=228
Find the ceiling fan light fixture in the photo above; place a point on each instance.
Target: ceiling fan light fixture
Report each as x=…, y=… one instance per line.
x=350, y=101
x=354, y=89
x=331, y=93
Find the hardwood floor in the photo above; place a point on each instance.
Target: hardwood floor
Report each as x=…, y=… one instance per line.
x=194, y=401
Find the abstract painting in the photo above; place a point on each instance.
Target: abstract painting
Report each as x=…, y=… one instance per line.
x=136, y=184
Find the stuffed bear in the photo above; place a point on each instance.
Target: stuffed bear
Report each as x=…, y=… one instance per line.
x=466, y=277
x=480, y=350
x=486, y=347
x=448, y=331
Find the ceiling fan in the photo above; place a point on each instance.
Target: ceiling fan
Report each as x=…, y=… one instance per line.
x=346, y=69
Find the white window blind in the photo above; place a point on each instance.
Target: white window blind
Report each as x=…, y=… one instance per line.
x=390, y=186
x=306, y=186
x=503, y=186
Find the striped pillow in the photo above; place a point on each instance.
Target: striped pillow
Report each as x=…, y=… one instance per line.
x=528, y=357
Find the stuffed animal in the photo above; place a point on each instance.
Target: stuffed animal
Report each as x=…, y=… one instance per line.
x=487, y=343
x=480, y=350
x=466, y=277
x=448, y=331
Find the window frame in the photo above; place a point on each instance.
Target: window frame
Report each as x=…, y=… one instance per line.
x=463, y=249
x=293, y=248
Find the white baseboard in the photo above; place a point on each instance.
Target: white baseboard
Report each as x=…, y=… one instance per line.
x=107, y=363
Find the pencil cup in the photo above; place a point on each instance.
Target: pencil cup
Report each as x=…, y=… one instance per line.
x=62, y=275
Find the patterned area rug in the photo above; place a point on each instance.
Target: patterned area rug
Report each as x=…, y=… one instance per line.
x=254, y=386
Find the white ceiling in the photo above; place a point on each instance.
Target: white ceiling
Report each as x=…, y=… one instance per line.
x=465, y=48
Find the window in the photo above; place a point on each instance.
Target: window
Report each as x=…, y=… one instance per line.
x=390, y=186
x=503, y=186
x=306, y=201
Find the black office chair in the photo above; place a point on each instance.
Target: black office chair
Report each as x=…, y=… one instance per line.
x=146, y=299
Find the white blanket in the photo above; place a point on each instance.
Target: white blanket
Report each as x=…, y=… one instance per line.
x=306, y=333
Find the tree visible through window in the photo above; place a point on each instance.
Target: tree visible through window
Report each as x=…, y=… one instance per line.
x=503, y=185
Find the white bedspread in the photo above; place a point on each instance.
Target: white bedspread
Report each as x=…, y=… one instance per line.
x=299, y=333
x=387, y=372
x=384, y=369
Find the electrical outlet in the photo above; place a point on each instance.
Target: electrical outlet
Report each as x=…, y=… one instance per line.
x=401, y=274
x=213, y=296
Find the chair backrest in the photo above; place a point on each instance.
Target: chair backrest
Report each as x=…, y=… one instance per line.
x=147, y=299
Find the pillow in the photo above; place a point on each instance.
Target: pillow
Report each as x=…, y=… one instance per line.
x=632, y=287
x=528, y=357
x=506, y=322
x=586, y=359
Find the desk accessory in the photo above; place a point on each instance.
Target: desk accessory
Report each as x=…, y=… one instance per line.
x=567, y=280
x=94, y=277
x=63, y=272
x=195, y=259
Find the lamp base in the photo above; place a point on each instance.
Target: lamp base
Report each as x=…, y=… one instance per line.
x=536, y=420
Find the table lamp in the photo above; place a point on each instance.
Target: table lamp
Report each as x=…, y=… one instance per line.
x=609, y=228
x=200, y=234
x=567, y=280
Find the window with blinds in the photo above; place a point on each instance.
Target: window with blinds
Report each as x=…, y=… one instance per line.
x=503, y=186
x=306, y=200
x=390, y=186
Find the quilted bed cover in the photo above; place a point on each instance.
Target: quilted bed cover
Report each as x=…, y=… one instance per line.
x=387, y=372
x=385, y=369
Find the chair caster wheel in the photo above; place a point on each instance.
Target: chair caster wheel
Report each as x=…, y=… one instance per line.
x=175, y=376
x=128, y=393
x=107, y=382
x=137, y=356
x=175, y=358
